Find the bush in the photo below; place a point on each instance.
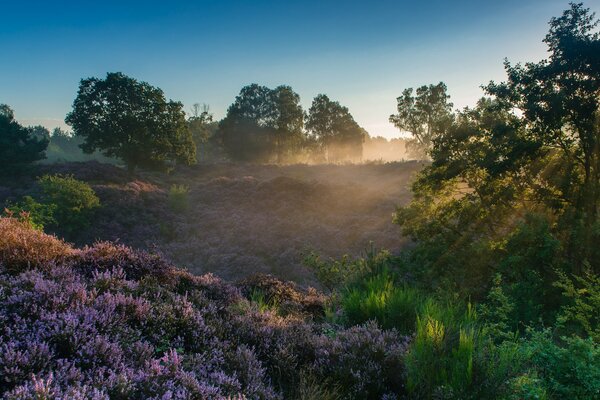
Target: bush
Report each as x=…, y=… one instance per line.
x=22, y=248
x=179, y=198
x=581, y=313
x=378, y=298
x=569, y=368
x=38, y=215
x=74, y=201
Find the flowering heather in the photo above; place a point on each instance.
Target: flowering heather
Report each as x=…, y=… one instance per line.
x=108, y=322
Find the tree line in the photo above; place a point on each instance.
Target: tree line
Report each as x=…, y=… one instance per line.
x=132, y=121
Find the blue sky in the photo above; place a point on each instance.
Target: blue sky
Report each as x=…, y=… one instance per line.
x=361, y=53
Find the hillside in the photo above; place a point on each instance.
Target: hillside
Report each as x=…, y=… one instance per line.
x=109, y=322
x=244, y=219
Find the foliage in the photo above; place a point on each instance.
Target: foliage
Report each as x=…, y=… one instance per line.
x=132, y=121
x=109, y=322
x=263, y=123
x=334, y=129
x=424, y=115
x=580, y=313
x=179, y=198
x=203, y=129
x=65, y=147
x=37, y=214
x=569, y=370
x=19, y=146
x=72, y=201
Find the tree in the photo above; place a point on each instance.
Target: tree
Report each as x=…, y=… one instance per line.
x=334, y=128
x=288, y=134
x=560, y=100
x=424, y=116
x=19, y=146
x=203, y=129
x=131, y=120
x=246, y=129
x=262, y=123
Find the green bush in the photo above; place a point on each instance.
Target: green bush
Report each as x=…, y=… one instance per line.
x=335, y=274
x=38, y=215
x=179, y=198
x=581, y=313
x=569, y=368
x=378, y=298
x=74, y=201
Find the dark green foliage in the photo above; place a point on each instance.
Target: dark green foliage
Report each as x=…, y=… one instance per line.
x=337, y=135
x=132, y=121
x=37, y=214
x=73, y=201
x=580, y=313
x=19, y=146
x=567, y=370
x=263, y=124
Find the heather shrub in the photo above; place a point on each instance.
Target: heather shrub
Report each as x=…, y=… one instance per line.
x=179, y=198
x=109, y=322
x=23, y=248
x=74, y=201
x=365, y=361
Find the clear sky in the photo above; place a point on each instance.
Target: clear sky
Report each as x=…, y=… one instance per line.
x=361, y=53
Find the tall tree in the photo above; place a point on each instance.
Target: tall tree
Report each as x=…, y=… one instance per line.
x=131, y=120
x=424, y=115
x=19, y=146
x=334, y=128
x=245, y=131
x=203, y=128
x=560, y=100
x=262, y=123
x=289, y=121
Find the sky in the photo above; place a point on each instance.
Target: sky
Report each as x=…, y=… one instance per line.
x=360, y=53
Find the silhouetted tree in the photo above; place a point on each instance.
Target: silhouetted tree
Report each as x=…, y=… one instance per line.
x=339, y=136
x=424, y=115
x=262, y=123
x=288, y=134
x=131, y=120
x=19, y=146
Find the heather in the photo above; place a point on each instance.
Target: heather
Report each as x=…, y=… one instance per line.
x=106, y=321
x=231, y=219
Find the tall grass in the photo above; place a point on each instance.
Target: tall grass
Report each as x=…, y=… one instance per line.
x=179, y=198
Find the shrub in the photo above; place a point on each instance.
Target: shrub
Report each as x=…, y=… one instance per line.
x=333, y=273
x=38, y=215
x=179, y=198
x=581, y=313
x=569, y=369
x=74, y=201
x=23, y=248
x=379, y=298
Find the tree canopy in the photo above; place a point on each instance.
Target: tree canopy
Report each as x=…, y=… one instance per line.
x=131, y=120
x=19, y=146
x=513, y=187
x=262, y=123
x=425, y=115
x=335, y=130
